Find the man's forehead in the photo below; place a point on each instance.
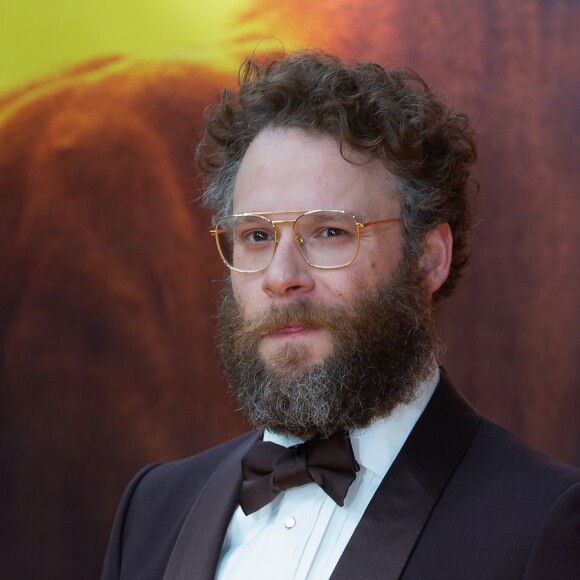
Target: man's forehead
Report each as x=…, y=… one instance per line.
x=294, y=170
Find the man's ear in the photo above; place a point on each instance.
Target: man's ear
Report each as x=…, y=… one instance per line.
x=435, y=260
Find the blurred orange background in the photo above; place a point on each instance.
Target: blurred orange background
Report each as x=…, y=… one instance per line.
x=109, y=278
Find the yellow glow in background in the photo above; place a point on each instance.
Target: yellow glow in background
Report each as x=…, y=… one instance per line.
x=39, y=38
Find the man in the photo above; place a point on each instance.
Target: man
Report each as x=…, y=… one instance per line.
x=342, y=196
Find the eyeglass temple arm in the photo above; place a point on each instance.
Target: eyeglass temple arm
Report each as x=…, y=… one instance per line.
x=381, y=222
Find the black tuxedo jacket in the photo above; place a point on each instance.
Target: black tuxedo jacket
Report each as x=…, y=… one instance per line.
x=463, y=500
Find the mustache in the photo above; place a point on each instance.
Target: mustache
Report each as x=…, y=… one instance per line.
x=301, y=313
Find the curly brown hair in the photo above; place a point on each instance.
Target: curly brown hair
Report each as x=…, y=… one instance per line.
x=388, y=115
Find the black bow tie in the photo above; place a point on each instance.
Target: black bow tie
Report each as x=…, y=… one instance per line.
x=268, y=469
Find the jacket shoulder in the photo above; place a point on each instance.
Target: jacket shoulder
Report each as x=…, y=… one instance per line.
x=181, y=479
x=153, y=509
x=507, y=456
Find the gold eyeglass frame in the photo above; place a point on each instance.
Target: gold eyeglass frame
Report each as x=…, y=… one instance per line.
x=274, y=223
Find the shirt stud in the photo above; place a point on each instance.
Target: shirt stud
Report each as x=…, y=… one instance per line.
x=289, y=523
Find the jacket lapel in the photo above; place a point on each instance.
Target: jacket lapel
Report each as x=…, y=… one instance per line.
x=392, y=524
x=198, y=546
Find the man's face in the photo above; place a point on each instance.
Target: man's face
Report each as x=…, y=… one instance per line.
x=290, y=170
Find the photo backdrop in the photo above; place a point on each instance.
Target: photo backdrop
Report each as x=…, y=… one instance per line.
x=109, y=277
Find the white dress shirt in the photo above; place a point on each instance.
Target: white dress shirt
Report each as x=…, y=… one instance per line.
x=302, y=533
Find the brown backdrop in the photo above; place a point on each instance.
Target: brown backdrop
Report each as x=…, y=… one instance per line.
x=108, y=276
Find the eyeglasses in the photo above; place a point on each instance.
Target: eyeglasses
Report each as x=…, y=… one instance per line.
x=326, y=239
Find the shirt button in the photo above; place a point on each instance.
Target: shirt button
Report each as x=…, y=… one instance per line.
x=289, y=523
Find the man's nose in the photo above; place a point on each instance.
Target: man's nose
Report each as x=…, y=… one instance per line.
x=288, y=274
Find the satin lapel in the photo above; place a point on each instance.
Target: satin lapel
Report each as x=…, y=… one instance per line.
x=388, y=531
x=198, y=546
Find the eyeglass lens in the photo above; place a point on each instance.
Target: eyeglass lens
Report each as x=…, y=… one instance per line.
x=327, y=239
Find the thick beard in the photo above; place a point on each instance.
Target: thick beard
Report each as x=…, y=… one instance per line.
x=384, y=345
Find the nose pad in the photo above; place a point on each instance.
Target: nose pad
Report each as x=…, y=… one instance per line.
x=300, y=243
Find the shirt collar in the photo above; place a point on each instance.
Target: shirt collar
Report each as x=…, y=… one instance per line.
x=376, y=446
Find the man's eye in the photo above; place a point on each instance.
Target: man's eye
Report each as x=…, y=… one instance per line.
x=257, y=236
x=331, y=232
